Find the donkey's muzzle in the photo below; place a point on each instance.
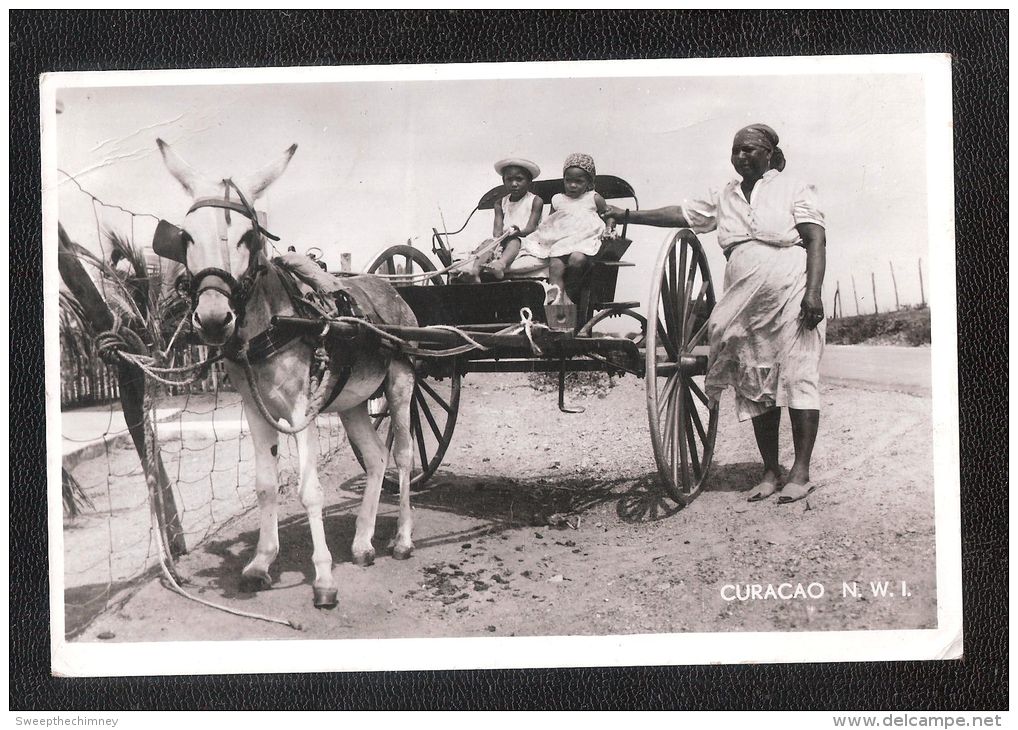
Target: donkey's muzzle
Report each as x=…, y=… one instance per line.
x=214, y=319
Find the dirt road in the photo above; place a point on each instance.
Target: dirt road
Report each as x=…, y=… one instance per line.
x=487, y=563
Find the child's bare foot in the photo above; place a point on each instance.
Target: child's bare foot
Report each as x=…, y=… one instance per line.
x=465, y=277
x=497, y=269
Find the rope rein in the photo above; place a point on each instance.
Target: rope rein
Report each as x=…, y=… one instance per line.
x=482, y=250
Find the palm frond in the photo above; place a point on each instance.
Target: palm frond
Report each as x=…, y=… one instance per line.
x=74, y=497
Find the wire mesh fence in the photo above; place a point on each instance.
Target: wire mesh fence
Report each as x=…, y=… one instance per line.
x=114, y=536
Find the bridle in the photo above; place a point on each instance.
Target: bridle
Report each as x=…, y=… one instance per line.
x=236, y=290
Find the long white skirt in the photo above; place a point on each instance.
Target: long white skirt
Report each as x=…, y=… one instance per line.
x=758, y=343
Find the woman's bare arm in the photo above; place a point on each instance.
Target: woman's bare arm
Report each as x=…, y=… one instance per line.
x=814, y=240
x=667, y=217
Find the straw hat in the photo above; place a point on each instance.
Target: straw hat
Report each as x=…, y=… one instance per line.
x=527, y=165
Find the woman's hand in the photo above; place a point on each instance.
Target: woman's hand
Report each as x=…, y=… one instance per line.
x=812, y=309
x=612, y=211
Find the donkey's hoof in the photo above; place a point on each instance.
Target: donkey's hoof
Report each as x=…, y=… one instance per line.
x=326, y=597
x=364, y=559
x=402, y=553
x=255, y=582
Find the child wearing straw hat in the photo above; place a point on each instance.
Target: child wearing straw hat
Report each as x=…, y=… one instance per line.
x=517, y=214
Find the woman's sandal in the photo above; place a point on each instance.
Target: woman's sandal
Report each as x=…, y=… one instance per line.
x=762, y=491
x=793, y=492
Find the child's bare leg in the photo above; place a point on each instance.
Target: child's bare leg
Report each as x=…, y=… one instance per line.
x=556, y=277
x=498, y=266
x=576, y=267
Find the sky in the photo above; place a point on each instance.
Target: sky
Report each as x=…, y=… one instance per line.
x=380, y=162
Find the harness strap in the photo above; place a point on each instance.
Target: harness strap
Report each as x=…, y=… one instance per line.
x=240, y=206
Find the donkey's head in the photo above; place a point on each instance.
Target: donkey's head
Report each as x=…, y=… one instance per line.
x=220, y=242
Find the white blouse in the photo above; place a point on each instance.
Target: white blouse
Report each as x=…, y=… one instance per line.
x=779, y=202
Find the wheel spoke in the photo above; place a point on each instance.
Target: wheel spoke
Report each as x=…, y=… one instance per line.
x=690, y=440
x=669, y=294
x=666, y=392
x=435, y=396
x=698, y=393
x=427, y=415
x=698, y=337
x=693, y=307
x=662, y=334
x=415, y=426
x=669, y=439
x=666, y=434
x=681, y=437
x=681, y=302
x=695, y=415
x=686, y=301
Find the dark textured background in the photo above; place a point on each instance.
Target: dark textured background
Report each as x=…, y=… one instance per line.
x=49, y=41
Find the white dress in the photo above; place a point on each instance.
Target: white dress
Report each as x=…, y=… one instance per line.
x=574, y=227
x=759, y=345
x=514, y=213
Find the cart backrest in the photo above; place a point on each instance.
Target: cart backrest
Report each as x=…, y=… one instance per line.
x=609, y=186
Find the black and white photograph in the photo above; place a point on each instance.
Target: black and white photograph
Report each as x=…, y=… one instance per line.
x=501, y=365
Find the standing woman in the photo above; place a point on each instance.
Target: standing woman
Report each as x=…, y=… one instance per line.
x=767, y=330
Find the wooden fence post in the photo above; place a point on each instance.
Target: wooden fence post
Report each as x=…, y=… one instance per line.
x=894, y=283
x=922, y=295
x=855, y=295
x=132, y=389
x=873, y=280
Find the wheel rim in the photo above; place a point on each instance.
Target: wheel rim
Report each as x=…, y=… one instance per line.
x=433, y=411
x=400, y=260
x=683, y=426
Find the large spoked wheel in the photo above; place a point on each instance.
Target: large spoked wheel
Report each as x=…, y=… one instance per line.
x=432, y=422
x=404, y=260
x=683, y=426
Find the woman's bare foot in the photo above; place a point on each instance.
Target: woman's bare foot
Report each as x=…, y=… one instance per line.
x=797, y=487
x=768, y=485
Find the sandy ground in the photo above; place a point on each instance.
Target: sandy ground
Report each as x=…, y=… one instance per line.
x=487, y=563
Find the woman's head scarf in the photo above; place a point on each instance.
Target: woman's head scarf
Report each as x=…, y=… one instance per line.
x=760, y=135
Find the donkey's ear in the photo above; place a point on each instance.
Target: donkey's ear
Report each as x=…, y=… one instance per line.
x=183, y=172
x=256, y=183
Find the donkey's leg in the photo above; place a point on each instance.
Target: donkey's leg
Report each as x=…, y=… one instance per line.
x=361, y=433
x=399, y=390
x=265, y=438
x=313, y=499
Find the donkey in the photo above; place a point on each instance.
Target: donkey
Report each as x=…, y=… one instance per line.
x=235, y=292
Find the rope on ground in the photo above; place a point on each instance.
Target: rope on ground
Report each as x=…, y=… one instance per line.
x=154, y=501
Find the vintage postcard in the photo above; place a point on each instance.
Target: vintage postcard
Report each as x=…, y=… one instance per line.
x=501, y=365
